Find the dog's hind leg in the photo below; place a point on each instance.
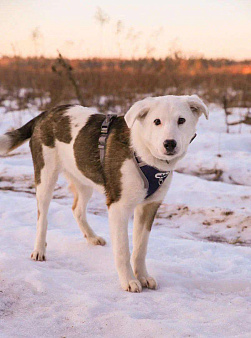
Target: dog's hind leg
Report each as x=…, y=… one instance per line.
x=143, y=218
x=46, y=167
x=82, y=195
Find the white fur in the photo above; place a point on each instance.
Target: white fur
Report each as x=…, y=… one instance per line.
x=133, y=193
x=140, y=241
x=44, y=191
x=61, y=159
x=5, y=144
x=195, y=102
x=79, y=116
x=147, y=139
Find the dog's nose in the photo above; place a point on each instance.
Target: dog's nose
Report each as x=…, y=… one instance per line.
x=170, y=145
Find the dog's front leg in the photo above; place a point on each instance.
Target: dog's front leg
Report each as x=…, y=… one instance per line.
x=118, y=221
x=143, y=218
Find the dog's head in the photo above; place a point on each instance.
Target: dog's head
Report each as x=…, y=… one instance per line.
x=166, y=124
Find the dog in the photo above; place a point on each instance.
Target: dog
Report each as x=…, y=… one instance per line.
x=66, y=139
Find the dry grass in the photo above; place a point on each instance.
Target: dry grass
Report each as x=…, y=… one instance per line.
x=122, y=81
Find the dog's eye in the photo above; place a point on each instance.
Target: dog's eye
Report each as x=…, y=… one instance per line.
x=157, y=122
x=181, y=120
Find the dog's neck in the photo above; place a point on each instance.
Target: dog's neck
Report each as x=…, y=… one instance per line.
x=144, y=153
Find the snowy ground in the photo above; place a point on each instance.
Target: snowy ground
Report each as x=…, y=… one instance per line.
x=199, y=251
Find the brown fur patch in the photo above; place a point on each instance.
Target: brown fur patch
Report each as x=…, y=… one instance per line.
x=37, y=157
x=75, y=202
x=117, y=151
x=51, y=125
x=148, y=213
x=87, y=154
x=62, y=124
x=38, y=214
x=86, y=150
x=45, y=131
x=55, y=125
x=75, y=193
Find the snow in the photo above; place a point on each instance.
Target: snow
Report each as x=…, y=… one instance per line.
x=217, y=150
x=199, y=252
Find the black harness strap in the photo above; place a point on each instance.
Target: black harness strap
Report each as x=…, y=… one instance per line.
x=153, y=178
x=105, y=127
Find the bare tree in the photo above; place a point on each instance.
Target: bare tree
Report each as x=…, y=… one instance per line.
x=133, y=37
x=175, y=50
x=119, y=29
x=102, y=19
x=36, y=36
x=246, y=120
x=152, y=41
x=225, y=102
x=61, y=62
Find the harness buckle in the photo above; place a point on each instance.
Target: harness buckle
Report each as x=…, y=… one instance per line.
x=104, y=129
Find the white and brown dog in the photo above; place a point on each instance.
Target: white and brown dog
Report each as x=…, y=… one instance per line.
x=66, y=138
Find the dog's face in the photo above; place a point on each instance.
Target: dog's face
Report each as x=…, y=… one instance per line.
x=166, y=124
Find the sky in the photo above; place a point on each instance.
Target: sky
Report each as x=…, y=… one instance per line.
x=154, y=28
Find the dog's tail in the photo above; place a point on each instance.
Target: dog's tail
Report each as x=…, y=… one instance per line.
x=13, y=139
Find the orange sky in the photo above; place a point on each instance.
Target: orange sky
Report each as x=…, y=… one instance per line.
x=214, y=28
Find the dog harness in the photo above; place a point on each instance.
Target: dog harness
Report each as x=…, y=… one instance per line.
x=152, y=177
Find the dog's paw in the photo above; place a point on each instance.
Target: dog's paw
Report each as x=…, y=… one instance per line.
x=38, y=255
x=96, y=240
x=133, y=286
x=148, y=282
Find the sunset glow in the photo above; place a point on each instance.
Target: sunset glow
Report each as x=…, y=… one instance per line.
x=210, y=28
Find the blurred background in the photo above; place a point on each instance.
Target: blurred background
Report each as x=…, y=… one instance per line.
x=107, y=54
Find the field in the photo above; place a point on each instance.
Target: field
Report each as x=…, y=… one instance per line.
x=114, y=84
x=199, y=249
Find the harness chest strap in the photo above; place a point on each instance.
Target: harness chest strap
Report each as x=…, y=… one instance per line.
x=152, y=177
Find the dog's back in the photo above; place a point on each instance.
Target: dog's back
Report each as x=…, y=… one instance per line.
x=63, y=139
x=67, y=134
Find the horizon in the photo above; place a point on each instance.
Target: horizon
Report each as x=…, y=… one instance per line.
x=125, y=59
x=212, y=29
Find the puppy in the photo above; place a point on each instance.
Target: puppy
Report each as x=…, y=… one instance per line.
x=156, y=130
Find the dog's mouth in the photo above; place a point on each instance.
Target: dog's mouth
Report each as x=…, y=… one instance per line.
x=167, y=156
x=170, y=153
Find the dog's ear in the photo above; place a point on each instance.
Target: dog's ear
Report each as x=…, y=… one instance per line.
x=197, y=105
x=138, y=110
